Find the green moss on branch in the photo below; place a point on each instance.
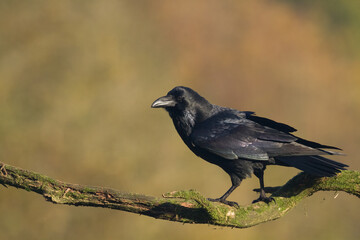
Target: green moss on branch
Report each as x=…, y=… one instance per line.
x=181, y=206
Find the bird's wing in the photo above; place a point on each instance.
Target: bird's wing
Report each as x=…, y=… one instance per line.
x=232, y=137
x=269, y=123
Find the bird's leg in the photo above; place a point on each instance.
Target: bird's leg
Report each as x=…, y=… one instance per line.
x=235, y=183
x=260, y=174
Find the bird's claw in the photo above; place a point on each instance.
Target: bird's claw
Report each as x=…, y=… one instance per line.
x=3, y=169
x=264, y=199
x=230, y=203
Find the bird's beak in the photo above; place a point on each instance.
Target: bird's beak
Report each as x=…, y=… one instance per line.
x=163, y=102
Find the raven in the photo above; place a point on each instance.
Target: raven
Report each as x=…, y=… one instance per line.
x=242, y=143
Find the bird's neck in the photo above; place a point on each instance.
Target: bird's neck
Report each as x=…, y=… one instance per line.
x=186, y=119
x=184, y=123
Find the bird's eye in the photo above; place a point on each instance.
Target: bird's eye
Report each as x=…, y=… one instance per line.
x=179, y=98
x=179, y=95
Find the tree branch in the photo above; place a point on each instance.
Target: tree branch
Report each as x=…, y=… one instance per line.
x=181, y=206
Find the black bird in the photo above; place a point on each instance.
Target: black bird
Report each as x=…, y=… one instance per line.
x=242, y=143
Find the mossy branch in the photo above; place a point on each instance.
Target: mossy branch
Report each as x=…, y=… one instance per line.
x=181, y=206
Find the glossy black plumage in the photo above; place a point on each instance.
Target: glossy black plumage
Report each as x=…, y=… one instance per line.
x=240, y=142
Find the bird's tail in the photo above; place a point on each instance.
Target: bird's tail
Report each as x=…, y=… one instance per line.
x=315, y=165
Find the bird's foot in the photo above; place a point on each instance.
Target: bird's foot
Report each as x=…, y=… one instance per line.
x=3, y=169
x=230, y=203
x=264, y=199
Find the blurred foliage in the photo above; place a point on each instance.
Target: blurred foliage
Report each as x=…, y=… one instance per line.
x=77, y=79
x=340, y=20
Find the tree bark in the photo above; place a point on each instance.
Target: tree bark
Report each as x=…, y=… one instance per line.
x=181, y=206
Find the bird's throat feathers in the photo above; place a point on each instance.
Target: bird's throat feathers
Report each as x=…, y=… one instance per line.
x=186, y=119
x=184, y=123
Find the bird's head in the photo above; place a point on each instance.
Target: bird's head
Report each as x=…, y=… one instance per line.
x=182, y=100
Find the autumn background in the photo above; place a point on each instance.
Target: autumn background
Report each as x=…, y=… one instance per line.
x=77, y=79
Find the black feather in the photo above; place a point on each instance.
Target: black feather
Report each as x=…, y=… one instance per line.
x=315, y=144
x=270, y=123
x=316, y=165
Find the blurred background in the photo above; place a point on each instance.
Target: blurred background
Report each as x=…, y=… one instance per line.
x=77, y=79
